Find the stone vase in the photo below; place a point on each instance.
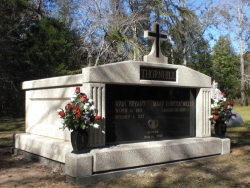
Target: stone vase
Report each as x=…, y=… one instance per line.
x=79, y=140
x=220, y=128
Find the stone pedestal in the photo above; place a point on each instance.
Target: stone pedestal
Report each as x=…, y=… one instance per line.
x=117, y=158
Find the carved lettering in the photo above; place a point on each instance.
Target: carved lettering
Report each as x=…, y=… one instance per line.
x=140, y=116
x=138, y=110
x=137, y=103
x=188, y=103
x=182, y=109
x=149, y=73
x=173, y=103
x=151, y=132
x=122, y=110
x=118, y=103
x=158, y=103
x=122, y=116
x=146, y=137
x=159, y=136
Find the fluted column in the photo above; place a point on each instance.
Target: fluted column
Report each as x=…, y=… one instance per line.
x=203, y=111
x=97, y=93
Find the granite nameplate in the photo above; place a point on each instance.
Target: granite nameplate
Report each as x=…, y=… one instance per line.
x=143, y=113
x=162, y=74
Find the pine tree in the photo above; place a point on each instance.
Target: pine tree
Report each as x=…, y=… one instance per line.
x=226, y=67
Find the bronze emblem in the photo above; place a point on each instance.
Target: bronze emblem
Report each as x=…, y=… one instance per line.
x=153, y=123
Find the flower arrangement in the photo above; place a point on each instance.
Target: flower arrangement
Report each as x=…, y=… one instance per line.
x=221, y=109
x=79, y=113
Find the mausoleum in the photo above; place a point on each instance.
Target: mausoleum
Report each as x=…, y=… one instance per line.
x=152, y=113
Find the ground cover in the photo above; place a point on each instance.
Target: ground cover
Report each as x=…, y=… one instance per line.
x=229, y=171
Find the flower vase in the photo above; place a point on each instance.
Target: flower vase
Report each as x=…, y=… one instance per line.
x=220, y=128
x=79, y=140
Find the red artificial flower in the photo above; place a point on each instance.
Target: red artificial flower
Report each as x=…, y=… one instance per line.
x=229, y=102
x=216, y=118
x=98, y=117
x=232, y=102
x=78, y=116
x=216, y=112
x=77, y=109
x=77, y=90
x=84, y=98
x=61, y=113
x=224, y=107
x=223, y=94
x=69, y=106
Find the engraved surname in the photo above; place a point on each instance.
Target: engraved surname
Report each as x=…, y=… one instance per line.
x=158, y=74
x=188, y=103
x=173, y=103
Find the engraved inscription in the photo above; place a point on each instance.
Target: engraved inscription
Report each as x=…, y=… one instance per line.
x=151, y=73
x=143, y=113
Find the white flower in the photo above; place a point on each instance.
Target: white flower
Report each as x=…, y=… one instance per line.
x=212, y=105
x=74, y=95
x=229, y=107
x=216, y=100
x=225, y=99
x=86, y=106
x=91, y=101
x=96, y=126
x=92, y=108
x=72, y=99
x=210, y=117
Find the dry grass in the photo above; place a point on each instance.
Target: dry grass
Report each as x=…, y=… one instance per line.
x=9, y=126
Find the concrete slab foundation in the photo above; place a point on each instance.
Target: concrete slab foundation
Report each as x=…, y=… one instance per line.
x=99, y=177
x=99, y=164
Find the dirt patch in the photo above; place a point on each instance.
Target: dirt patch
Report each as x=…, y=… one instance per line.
x=18, y=172
x=237, y=152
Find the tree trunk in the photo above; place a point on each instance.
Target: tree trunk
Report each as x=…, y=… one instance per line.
x=184, y=53
x=135, y=49
x=242, y=84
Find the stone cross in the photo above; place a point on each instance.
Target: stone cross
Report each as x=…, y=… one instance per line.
x=155, y=55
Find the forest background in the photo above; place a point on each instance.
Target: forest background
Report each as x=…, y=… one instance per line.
x=46, y=38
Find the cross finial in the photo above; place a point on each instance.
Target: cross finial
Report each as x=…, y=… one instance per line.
x=155, y=55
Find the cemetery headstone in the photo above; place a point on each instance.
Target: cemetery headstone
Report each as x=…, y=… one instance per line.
x=236, y=121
